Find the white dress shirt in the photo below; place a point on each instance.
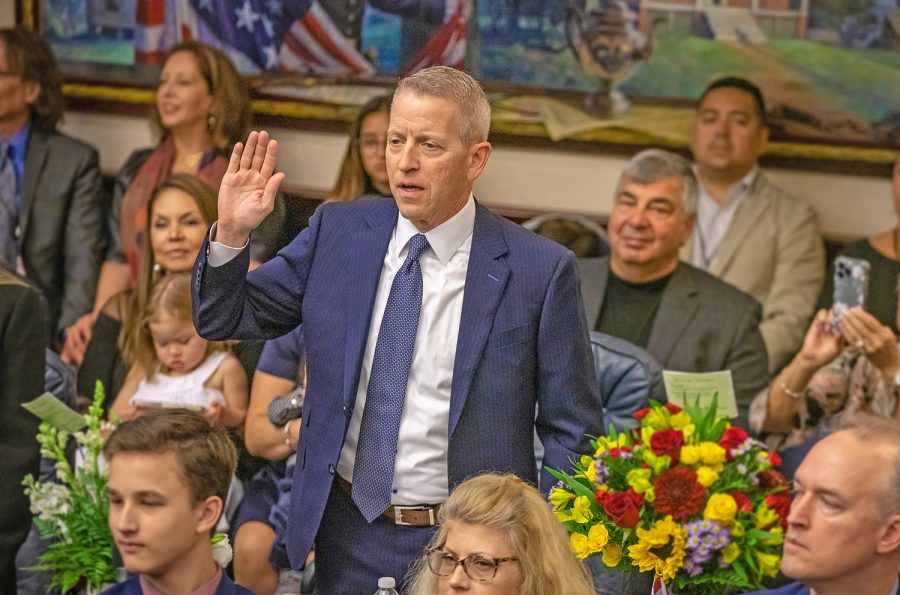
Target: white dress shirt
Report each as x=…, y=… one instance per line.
x=714, y=219
x=420, y=469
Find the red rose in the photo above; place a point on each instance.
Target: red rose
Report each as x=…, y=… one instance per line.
x=781, y=504
x=638, y=499
x=743, y=502
x=621, y=509
x=601, y=495
x=667, y=442
x=673, y=408
x=641, y=413
x=731, y=439
x=614, y=453
x=775, y=459
x=770, y=478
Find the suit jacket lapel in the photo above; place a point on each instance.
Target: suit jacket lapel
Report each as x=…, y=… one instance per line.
x=485, y=280
x=594, y=274
x=676, y=311
x=754, y=205
x=35, y=161
x=365, y=256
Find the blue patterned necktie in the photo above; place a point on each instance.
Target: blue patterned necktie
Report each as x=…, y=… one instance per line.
x=373, y=472
x=9, y=208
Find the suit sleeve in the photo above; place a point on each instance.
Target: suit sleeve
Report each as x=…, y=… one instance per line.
x=22, y=358
x=569, y=405
x=748, y=362
x=85, y=240
x=229, y=303
x=797, y=280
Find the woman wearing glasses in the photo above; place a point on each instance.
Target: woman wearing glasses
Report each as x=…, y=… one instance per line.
x=497, y=536
x=364, y=171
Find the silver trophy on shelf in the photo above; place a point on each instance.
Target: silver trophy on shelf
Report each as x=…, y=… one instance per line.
x=606, y=41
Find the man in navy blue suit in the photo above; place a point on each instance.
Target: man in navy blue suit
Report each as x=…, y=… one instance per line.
x=843, y=531
x=439, y=336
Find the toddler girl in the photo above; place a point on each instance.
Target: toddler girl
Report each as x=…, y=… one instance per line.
x=175, y=367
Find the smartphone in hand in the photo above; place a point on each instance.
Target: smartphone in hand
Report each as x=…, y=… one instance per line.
x=851, y=284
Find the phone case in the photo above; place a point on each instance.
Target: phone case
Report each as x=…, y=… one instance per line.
x=851, y=283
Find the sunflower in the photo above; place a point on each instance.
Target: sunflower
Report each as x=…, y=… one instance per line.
x=659, y=548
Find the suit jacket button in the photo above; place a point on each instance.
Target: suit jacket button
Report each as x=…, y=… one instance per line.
x=331, y=469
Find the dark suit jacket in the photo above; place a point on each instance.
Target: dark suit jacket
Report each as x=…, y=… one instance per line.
x=702, y=325
x=522, y=341
x=22, y=344
x=133, y=587
x=62, y=223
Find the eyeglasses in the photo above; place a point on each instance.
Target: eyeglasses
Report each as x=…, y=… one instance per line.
x=477, y=567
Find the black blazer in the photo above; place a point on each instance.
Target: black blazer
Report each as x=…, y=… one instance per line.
x=22, y=360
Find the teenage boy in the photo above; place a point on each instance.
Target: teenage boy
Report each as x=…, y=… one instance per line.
x=169, y=473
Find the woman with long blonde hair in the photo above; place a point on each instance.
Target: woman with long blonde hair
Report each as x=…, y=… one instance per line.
x=498, y=536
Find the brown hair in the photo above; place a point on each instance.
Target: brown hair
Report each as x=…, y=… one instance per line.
x=206, y=456
x=229, y=117
x=547, y=563
x=353, y=181
x=30, y=56
x=205, y=199
x=473, y=111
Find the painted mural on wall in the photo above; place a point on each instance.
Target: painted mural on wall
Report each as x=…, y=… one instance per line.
x=830, y=69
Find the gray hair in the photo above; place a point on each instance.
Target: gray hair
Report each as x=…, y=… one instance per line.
x=652, y=165
x=866, y=427
x=473, y=115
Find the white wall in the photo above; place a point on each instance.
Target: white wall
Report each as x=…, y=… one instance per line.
x=535, y=180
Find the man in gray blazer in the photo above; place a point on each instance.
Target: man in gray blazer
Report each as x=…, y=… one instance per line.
x=685, y=318
x=51, y=210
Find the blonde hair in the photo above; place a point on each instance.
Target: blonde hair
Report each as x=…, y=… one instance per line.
x=230, y=115
x=171, y=296
x=473, y=111
x=546, y=561
x=353, y=180
x=149, y=273
x=867, y=427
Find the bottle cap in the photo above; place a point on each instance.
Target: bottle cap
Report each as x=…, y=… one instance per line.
x=387, y=582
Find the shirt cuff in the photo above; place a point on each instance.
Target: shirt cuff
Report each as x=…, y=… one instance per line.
x=219, y=254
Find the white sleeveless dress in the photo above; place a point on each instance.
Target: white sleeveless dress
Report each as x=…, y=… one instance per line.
x=187, y=391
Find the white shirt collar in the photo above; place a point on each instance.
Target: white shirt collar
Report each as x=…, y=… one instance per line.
x=738, y=190
x=446, y=238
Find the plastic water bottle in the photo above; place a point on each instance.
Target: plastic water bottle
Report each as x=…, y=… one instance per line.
x=386, y=586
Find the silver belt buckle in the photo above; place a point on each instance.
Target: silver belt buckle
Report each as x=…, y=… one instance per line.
x=398, y=514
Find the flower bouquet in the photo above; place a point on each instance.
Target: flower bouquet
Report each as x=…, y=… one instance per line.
x=72, y=513
x=684, y=496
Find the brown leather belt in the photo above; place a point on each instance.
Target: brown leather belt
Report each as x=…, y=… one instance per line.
x=415, y=516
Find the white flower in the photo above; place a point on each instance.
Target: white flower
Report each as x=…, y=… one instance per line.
x=221, y=549
x=50, y=501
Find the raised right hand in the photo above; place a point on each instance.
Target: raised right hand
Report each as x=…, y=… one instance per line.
x=247, y=193
x=822, y=343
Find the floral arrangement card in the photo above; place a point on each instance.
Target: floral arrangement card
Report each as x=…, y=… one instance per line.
x=53, y=411
x=705, y=386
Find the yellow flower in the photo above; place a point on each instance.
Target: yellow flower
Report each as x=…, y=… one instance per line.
x=706, y=476
x=766, y=517
x=563, y=516
x=768, y=563
x=720, y=507
x=560, y=497
x=580, y=545
x=712, y=454
x=776, y=539
x=639, y=479
x=730, y=553
x=664, y=538
x=682, y=421
x=690, y=454
x=658, y=419
x=737, y=530
x=657, y=463
x=581, y=510
x=597, y=537
x=612, y=554
x=590, y=471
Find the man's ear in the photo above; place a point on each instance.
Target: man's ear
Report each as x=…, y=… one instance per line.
x=478, y=158
x=32, y=91
x=689, y=221
x=889, y=541
x=209, y=512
